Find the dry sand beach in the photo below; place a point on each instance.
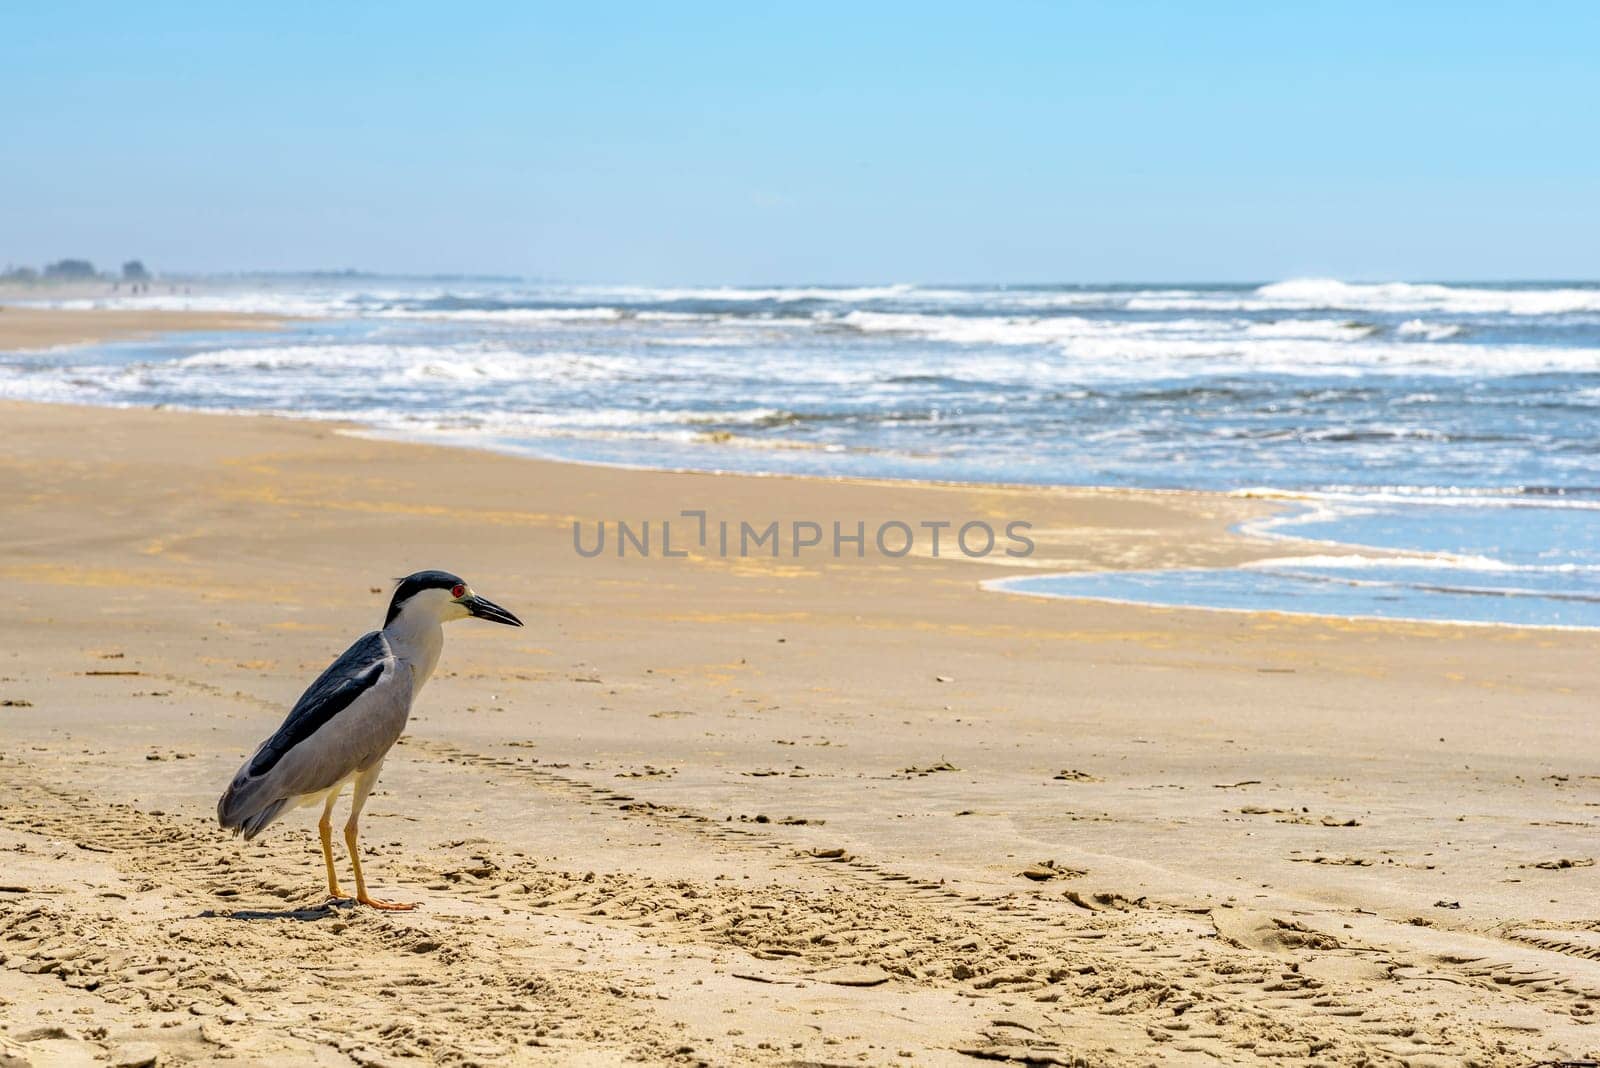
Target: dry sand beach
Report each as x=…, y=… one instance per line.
x=758, y=810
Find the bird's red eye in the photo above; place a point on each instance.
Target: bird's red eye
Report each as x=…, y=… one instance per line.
x=457, y=590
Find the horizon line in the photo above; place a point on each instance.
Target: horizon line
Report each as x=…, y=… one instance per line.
x=9, y=276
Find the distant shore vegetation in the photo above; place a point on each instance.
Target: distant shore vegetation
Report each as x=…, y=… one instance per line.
x=76, y=270
x=134, y=271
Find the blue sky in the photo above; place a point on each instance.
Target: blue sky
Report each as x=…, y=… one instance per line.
x=758, y=142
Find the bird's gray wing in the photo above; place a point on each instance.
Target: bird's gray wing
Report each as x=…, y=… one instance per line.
x=347, y=678
x=346, y=720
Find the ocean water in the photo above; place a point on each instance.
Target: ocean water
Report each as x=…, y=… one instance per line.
x=1451, y=430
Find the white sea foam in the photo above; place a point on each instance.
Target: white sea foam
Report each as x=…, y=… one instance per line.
x=1348, y=500
x=1422, y=561
x=1406, y=296
x=1116, y=350
x=303, y=305
x=781, y=294
x=1426, y=330
x=1313, y=294
x=465, y=362
x=1316, y=329
x=690, y=420
x=507, y=315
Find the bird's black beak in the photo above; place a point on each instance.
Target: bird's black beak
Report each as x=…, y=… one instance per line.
x=484, y=608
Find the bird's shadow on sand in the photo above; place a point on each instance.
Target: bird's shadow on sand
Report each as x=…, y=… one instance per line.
x=306, y=914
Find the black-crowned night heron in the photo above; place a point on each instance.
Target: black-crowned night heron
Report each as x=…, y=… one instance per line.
x=342, y=727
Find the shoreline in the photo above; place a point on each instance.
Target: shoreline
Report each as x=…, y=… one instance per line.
x=368, y=432
x=1238, y=529
x=87, y=326
x=1246, y=528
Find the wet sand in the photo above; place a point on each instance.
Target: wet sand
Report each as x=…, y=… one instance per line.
x=23, y=327
x=758, y=810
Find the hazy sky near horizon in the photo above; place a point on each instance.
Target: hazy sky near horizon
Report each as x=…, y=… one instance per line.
x=740, y=142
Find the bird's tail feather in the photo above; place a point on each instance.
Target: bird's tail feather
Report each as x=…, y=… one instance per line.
x=263, y=819
x=244, y=811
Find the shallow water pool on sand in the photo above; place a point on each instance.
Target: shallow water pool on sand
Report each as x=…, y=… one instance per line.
x=1483, y=559
x=1249, y=589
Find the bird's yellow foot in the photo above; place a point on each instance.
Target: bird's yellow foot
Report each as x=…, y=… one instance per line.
x=385, y=906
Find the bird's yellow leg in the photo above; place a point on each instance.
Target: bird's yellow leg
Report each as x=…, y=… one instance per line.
x=350, y=834
x=364, y=784
x=325, y=831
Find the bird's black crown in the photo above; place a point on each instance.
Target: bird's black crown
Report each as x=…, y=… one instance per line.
x=412, y=585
